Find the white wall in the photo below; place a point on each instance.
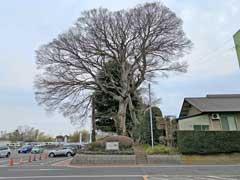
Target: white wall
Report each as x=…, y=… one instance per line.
x=188, y=123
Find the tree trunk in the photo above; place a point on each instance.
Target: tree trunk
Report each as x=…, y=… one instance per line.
x=93, y=120
x=132, y=111
x=122, y=109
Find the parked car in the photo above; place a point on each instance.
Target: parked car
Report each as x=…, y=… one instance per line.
x=75, y=148
x=5, y=151
x=25, y=149
x=37, y=150
x=63, y=151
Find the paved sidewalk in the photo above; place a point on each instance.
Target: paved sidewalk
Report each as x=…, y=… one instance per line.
x=191, y=177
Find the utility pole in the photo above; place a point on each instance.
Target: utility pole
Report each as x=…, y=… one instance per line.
x=150, y=113
x=80, y=137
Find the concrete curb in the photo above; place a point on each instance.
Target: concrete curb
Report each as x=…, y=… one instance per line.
x=86, y=160
x=164, y=159
x=153, y=160
x=64, y=163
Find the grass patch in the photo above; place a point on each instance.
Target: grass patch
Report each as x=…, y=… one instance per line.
x=159, y=149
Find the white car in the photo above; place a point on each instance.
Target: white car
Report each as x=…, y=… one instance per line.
x=5, y=151
x=63, y=151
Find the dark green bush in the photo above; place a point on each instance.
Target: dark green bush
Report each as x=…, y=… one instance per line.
x=208, y=142
x=96, y=146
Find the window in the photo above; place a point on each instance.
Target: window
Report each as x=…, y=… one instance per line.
x=224, y=122
x=201, y=127
x=2, y=148
x=228, y=123
x=205, y=127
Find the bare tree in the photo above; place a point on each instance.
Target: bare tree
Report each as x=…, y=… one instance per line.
x=144, y=41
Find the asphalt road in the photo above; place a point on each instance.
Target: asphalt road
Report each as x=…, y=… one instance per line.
x=53, y=168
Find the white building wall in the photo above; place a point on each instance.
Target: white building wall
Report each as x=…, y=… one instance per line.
x=188, y=123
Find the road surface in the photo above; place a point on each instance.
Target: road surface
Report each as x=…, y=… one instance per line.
x=55, y=168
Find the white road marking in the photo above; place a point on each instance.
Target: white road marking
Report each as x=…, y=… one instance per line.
x=161, y=177
x=185, y=166
x=190, y=177
x=77, y=176
x=37, y=169
x=221, y=178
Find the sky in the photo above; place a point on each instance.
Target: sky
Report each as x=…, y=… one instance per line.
x=25, y=25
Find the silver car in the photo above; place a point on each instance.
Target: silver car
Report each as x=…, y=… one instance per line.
x=5, y=151
x=64, y=151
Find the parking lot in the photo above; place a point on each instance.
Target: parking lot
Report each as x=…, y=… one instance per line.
x=20, y=160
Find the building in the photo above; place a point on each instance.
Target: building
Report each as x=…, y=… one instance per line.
x=213, y=112
x=62, y=139
x=168, y=126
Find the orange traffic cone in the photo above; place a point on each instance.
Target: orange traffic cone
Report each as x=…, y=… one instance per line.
x=11, y=162
x=34, y=157
x=30, y=159
x=45, y=156
x=40, y=156
x=21, y=161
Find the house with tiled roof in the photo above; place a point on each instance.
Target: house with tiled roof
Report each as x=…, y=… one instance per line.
x=213, y=112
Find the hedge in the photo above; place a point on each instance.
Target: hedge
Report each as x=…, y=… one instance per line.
x=208, y=142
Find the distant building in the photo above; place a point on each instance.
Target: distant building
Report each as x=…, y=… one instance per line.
x=168, y=126
x=66, y=137
x=62, y=139
x=59, y=138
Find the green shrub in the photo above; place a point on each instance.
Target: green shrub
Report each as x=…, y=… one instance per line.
x=96, y=146
x=208, y=142
x=160, y=149
x=146, y=146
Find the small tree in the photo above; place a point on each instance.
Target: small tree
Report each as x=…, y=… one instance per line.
x=146, y=127
x=45, y=138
